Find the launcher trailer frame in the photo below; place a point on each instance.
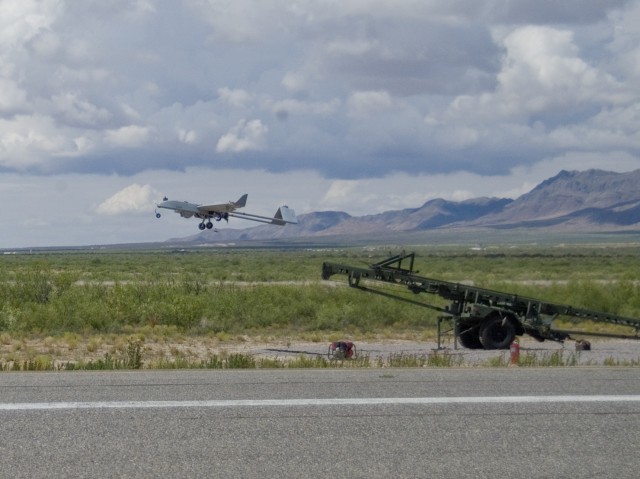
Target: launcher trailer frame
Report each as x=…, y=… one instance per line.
x=480, y=318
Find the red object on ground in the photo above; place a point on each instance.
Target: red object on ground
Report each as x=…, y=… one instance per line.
x=342, y=350
x=515, y=351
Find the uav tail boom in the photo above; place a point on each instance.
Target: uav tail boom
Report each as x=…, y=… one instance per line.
x=283, y=216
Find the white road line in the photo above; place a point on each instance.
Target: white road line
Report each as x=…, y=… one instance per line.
x=40, y=406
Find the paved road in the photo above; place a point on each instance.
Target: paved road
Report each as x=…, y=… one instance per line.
x=574, y=422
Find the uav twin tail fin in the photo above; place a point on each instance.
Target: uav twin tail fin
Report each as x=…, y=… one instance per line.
x=241, y=202
x=284, y=215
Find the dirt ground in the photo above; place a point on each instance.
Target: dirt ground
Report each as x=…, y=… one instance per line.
x=603, y=351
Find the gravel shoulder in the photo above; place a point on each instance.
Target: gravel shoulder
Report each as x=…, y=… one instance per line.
x=603, y=351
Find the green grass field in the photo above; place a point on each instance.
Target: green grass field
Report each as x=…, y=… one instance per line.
x=56, y=299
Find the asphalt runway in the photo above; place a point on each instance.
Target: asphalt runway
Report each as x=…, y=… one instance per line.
x=506, y=422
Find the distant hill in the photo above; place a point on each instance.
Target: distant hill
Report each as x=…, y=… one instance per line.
x=593, y=200
x=580, y=201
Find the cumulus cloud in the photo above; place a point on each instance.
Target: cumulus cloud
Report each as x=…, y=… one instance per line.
x=22, y=20
x=128, y=136
x=187, y=136
x=294, y=81
x=234, y=97
x=134, y=198
x=543, y=71
x=283, y=108
x=30, y=141
x=246, y=135
x=78, y=110
x=12, y=97
x=364, y=103
x=338, y=193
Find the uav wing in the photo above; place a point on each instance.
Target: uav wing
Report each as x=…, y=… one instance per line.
x=183, y=208
x=212, y=210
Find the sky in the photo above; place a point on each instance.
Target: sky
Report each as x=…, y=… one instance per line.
x=360, y=106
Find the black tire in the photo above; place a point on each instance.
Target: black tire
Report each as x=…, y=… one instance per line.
x=497, y=333
x=469, y=337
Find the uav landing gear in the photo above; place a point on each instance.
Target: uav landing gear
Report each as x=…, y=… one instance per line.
x=208, y=225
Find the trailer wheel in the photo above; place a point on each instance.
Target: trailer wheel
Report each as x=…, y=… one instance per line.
x=497, y=333
x=469, y=337
x=326, y=272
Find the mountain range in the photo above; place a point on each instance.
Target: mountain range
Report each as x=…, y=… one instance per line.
x=572, y=201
